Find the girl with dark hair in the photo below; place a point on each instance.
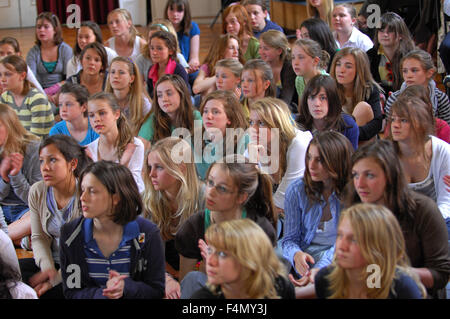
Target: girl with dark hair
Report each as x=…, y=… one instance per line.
x=172, y=108
x=163, y=51
x=93, y=74
x=87, y=33
x=52, y=202
x=48, y=58
x=72, y=106
x=235, y=189
x=378, y=178
x=312, y=205
x=118, y=253
x=116, y=141
x=320, y=109
x=32, y=107
x=392, y=41
x=125, y=40
x=179, y=13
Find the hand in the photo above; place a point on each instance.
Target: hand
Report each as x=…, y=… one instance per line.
x=5, y=168
x=16, y=163
x=41, y=281
x=254, y=152
x=173, y=290
x=298, y=33
x=301, y=260
x=203, y=248
x=114, y=285
x=194, y=65
x=447, y=182
x=300, y=282
x=312, y=274
x=127, y=154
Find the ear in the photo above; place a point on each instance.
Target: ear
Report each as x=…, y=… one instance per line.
x=132, y=77
x=266, y=84
x=430, y=73
x=115, y=199
x=116, y=114
x=73, y=164
x=353, y=22
x=316, y=60
x=242, y=197
x=83, y=107
x=23, y=76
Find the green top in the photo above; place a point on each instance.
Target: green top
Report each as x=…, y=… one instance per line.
x=147, y=130
x=208, y=217
x=252, y=49
x=300, y=83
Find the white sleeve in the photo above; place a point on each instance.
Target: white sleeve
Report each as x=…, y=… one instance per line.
x=32, y=79
x=440, y=164
x=8, y=252
x=136, y=163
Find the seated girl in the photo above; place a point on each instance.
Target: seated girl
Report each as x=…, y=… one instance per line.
x=119, y=253
x=312, y=206
x=320, y=110
x=349, y=274
x=32, y=107
x=125, y=82
x=173, y=194
x=228, y=76
x=116, y=141
x=241, y=264
x=73, y=111
x=87, y=33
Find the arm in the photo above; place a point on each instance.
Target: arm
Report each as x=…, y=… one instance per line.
x=372, y=128
x=32, y=60
x=440, y=163
x=42, y=118
x=136, y=162
x=203, y=84
x=194, y=61
x=443, y=107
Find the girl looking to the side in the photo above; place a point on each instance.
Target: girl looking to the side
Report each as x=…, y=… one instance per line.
x=228, y=76
x=116, y=141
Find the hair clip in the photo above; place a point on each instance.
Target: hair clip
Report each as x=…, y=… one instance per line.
x=162, y=26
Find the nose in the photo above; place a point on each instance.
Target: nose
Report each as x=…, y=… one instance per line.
x=211, y=259
x=341, y=244
x=44, y=166
x=83, y=196
x=152, y=172
x=360, y=182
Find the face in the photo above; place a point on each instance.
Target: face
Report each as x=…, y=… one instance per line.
x=257, y=16
x=232, y=50
x=55, y=169
x=232, y=24
x=91, y=62
x=44, y=30
x=85, y=36
x=258, y=126
x=400, y=127
x=315, y=166
x=118, y=25
x=175, y=16
x=7, y=49
x=69, y=108
x=341, y=20
x=214, y=116
x=251, y=84
x=101, y=116
x=159, y=52
x=11, y=80
x=221, y=192
x=96, y=201
x=119, y=76
x=304, y=33
x=346, y=70
x=3, y=134
x=315, y=3
x=369, y=180
x=226, y=80
x=268, y=53
x=302, y=62
x=159, y=175
x=348, y=253
x=221, y=267
x=168, y=98
x=318, y=105
x=387, y=38
x=414, y=73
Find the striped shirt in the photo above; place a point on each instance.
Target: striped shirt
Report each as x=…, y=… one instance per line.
x=98, y=265
x=35, y=112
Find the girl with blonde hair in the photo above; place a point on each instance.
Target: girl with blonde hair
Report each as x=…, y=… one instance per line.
x=273, y=115
x=228, y=76
x=125, y=82
x=241, y=263
x=173, y=194
x=368, y=235
x=274, y=49
x=322, y=9
x=125, y=40
x=358, y=91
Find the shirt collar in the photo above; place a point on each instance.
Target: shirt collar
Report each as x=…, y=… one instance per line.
x=153, y=72
x=130, y=231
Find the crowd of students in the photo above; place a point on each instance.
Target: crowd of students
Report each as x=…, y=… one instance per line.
x=268, y=170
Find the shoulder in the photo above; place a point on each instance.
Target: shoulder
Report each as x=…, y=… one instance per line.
x=138, y=142
x=146, y=225
x=426, y=209
x=348, y=119
x=38, y=188
x=59, y=128
x=405, y=287
x=439, y=146
x=65, y=49
x=296, y=188
x=195, y=30
x=302, y=138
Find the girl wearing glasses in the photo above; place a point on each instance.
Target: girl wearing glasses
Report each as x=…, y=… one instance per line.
x=235, y=189
x=241, y=264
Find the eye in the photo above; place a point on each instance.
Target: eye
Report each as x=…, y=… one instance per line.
x=221, y=189
x=222, y=254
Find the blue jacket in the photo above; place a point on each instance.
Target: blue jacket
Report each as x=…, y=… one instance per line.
x=302, y=220
x=147, y=268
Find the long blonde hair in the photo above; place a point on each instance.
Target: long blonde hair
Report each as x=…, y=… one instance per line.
x=156, y=204
x=250, y=246
x=312, y=12
x=276, y=114
x=381, y=242
x=125, y=14
x=135, y=95
x=18, y=137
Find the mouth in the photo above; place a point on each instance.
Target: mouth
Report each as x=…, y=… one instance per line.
x=98, y=127
x=47, y=177
x=84, y=208
x=210, y=202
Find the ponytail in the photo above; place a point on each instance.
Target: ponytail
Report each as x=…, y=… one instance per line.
x=125, y=135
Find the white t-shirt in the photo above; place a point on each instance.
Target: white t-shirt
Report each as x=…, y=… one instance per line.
x=357, y=40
